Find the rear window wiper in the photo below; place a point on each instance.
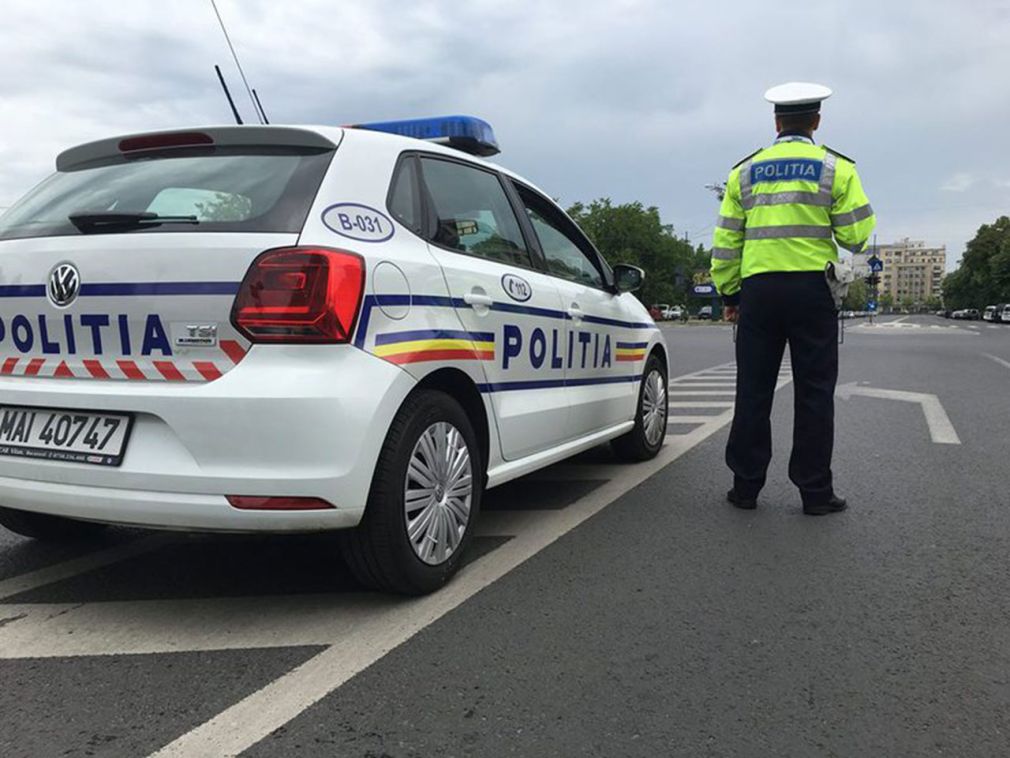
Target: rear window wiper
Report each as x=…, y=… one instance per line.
x=88, y=221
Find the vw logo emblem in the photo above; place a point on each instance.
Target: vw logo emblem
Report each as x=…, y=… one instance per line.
x=64, y=284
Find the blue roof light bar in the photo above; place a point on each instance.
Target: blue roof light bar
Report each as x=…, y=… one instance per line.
x=467, y=133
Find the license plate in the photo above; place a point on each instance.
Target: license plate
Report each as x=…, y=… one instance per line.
x=61, y=435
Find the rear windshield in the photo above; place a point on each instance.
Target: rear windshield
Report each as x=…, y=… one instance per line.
x=226, y=189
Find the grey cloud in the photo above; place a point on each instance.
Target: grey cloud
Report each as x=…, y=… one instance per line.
x=635, y=99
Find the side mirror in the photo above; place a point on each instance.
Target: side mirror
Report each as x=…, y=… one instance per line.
x=627, y=278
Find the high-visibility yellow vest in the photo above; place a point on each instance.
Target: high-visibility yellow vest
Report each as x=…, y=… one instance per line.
x=784, y=209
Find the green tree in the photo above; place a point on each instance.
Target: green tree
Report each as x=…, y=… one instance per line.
x=632, y=233
x=857, y=296
x=983, y=277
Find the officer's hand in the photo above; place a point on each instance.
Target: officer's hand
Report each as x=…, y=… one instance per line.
x=731, y=313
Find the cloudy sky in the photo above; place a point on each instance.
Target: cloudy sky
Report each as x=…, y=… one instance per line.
x=643, y=100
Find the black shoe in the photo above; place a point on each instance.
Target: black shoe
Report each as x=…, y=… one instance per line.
x=834, y=505
x=746, y=503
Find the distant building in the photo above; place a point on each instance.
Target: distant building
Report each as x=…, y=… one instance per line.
x=861, y=264
x=912, y=271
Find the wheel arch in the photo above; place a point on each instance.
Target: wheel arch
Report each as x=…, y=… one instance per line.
x=458, y=385
x=659, y=349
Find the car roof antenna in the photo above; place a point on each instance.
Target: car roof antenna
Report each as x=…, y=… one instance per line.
x=263, y=113
x=227, y=94
x=227, y=38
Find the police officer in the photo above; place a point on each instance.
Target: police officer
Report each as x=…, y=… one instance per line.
x=785, y=208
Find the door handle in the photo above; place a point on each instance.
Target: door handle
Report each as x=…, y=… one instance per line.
x=575, y=312
x=478, y=298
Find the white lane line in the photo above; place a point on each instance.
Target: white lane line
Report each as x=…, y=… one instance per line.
x=705, y=393
x=703, y=384
x=60, y=571
x=1000, y=361
x=695, y=419
x=699, y=404
x=250, y=720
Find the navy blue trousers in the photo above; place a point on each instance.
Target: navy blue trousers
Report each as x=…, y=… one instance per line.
x=776, y=310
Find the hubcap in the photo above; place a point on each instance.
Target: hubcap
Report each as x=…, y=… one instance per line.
x=437, y=493
x=654, y=408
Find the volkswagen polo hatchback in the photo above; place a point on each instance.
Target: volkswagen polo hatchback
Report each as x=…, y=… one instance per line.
x=262, y=328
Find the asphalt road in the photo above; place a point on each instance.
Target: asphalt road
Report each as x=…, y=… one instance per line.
x=607, y=610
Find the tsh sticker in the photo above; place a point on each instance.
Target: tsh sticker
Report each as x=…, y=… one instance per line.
x=358, y=222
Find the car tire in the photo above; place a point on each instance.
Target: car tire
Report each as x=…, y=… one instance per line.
x=380, y=552
x=646, y=438
x=46, y=528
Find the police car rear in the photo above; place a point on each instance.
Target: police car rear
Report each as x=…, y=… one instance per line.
x=253, y=328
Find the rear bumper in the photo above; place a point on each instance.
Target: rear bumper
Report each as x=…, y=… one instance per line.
x=303, y=421
x=163, y=510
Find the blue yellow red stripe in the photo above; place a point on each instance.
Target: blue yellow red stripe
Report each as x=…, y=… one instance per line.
x=434, y=345
x=631, y=351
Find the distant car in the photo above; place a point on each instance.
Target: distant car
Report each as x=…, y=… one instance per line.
x=972, y=314
x=942, y=314
x=674, y=313
x=655, y=313
x=1003, y=313
x=990, y=313
x=662, y=309
x=705, y=313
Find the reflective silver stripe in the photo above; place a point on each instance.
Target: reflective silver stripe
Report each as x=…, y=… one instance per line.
x=856, y=247
x=786, y=198
x=728, y=222
x=787, y=231
x=726, y=253
x=746, y=191
x=828, y=176
x=844, y=219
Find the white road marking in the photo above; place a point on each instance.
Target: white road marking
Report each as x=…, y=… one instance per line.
x=700, y=404
x=250, y=720
x=696, y=419
x=60, y=571
x=941, y=431
x=358, y=628
x=998, y=360
x=705, y=393
x=704, y=384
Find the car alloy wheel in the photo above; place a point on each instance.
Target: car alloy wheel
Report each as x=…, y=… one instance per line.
x=437, y=493
x=654, y=407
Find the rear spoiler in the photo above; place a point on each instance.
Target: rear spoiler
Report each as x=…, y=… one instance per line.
x=230, y=136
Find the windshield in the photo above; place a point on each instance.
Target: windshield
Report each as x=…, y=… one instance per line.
x=225, y=189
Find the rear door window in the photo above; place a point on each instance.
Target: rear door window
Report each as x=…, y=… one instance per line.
x=224, y=189
x=471, y=212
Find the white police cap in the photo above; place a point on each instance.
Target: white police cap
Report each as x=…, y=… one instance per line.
x=797, y=97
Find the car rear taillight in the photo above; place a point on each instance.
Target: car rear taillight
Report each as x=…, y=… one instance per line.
x=299, y=295
x=255, y=503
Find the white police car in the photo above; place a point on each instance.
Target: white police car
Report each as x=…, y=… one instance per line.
x=294, y=329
